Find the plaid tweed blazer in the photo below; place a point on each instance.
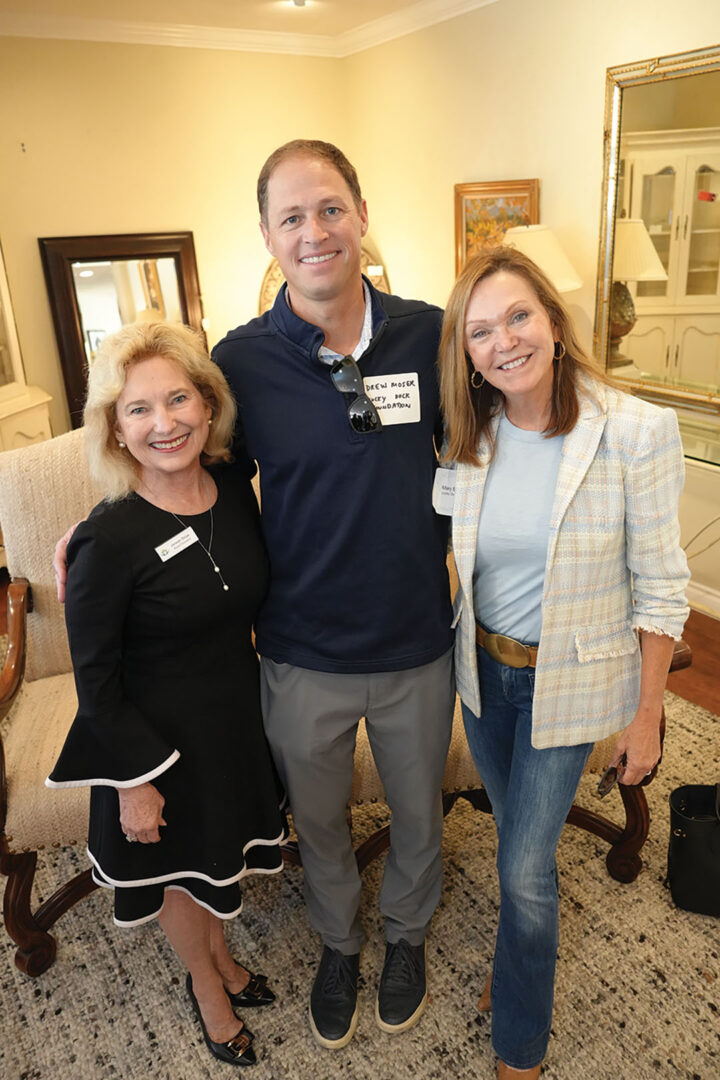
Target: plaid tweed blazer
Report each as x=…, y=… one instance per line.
x=614, y=565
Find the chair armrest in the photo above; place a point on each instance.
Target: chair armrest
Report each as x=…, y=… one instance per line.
x=19, y=602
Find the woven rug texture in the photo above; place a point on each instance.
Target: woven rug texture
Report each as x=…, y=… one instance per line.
x=637, y=991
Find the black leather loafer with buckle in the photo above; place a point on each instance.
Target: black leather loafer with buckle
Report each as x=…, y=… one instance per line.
x=236, y=1051
x=256, y=994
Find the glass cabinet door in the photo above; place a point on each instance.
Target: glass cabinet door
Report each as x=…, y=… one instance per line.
x=657, y=201
x=701, y=229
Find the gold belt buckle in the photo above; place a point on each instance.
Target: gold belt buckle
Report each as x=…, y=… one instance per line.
x=507, y=650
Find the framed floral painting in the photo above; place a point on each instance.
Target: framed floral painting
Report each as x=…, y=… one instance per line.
x=484, y=212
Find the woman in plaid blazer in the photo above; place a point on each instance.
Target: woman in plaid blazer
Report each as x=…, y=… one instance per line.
x=566, y=541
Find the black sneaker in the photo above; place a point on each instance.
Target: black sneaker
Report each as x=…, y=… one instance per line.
x=402, y=996
x=333, y=1001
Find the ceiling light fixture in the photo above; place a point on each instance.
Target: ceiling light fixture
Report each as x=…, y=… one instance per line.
x=299, y=3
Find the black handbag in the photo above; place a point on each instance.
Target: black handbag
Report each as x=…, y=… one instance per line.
x=694, y=851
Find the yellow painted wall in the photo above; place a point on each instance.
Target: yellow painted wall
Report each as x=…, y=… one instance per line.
x=121, y=138
x=136, y=138
x=509, y=91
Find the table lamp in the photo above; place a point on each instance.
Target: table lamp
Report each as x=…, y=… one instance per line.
x=634, y=259
x=541, y=245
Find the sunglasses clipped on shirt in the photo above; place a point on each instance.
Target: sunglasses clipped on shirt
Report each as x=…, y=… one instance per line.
x=347, y=379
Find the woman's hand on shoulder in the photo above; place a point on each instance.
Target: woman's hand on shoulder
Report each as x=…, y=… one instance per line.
x=141, y=810
x=639, y=744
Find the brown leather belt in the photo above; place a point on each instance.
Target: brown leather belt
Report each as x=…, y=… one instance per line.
x=506, y=650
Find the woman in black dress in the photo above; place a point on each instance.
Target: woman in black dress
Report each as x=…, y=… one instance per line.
x=164, y=580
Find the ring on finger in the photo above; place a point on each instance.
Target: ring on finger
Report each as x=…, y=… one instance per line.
x=130, y=839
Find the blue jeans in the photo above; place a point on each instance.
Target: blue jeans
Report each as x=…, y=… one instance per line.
x=531, y=792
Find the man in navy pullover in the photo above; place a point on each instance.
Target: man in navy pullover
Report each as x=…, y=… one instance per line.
x=357, y=620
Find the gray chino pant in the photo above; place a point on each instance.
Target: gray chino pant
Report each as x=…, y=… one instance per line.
x=311, y=720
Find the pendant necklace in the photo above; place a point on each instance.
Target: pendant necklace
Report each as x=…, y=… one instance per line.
x=208, y=549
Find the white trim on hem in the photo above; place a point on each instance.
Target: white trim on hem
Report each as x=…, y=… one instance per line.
x=178, y=888
x=149, y=918
x=162, y=878
x=103, y=782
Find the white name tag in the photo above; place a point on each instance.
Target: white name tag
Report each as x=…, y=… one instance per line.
x=176, y=544
x=443, y=496
x=396, y=397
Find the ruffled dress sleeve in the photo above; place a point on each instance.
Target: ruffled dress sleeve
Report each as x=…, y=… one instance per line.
x=110, y=742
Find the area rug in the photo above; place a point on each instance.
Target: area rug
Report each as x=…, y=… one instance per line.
x=638, y=981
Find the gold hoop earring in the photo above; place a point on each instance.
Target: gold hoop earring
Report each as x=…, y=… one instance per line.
x=559, y=350
x=476, y=385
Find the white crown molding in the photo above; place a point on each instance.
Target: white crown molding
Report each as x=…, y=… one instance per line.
x=187, y=37
x=417, y=17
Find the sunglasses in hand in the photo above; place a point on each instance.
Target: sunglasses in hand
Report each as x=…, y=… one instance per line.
x=610, y=777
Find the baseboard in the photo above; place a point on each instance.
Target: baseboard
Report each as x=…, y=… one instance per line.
x=702, y=598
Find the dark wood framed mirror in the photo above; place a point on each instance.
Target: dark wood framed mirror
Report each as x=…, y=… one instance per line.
x=96, y=284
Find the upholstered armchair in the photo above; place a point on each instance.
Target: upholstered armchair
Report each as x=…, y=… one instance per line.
x=43, y=489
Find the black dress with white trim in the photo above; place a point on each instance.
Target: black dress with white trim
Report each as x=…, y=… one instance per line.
x=168, y=691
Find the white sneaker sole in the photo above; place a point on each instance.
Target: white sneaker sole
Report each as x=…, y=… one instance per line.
x=334, y=1044
x=395, y=1029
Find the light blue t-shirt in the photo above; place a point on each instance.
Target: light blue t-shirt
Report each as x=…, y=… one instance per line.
x=513, y=532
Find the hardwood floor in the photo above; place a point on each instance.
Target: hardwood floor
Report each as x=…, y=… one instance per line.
x=699, y=683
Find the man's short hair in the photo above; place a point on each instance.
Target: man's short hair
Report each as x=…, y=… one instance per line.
x=312, y=148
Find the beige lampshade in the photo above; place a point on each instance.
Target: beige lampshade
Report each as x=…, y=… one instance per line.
x=634, y=255
x=541, y=245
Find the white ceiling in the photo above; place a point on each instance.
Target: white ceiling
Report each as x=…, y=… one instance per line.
x=321, y=27
x=321, y=17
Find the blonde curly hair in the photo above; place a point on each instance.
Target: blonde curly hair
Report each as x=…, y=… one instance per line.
x=112, y=467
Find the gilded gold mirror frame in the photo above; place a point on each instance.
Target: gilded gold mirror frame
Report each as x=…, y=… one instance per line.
x=618, y=79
